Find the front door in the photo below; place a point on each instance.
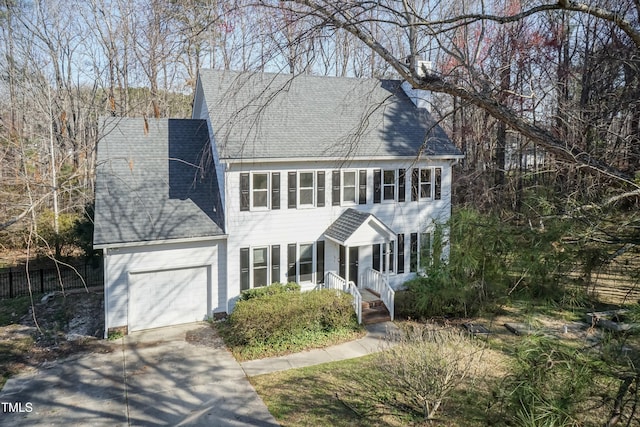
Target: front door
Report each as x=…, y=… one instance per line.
x=353, y=263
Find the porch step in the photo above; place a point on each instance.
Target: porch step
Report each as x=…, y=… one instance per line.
x=374, y=314
x=372, y=304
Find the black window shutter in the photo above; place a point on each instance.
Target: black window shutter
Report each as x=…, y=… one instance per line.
x=413, y=255
x=377, y=185
x=376, y=257
x=320, y=261
x=341, y=262
x=275, y=263
x=244, y=269
x=438, y=184
x=402, y=179
x=362, y=183
x=275, y=190
x=320, y=189
x=291, y=262
x=400, y=253
x=415, y=180
x=293, y=176
x=335, y=188
x=244, y=191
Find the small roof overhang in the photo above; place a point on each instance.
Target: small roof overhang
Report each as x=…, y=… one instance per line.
x=355, y=228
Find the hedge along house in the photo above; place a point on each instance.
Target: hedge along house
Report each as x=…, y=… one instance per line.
x=276, y=178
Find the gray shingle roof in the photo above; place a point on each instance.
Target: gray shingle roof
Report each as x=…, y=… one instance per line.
x=350, y=221
x=155, y=184
x=346, y=224
x=261, y=116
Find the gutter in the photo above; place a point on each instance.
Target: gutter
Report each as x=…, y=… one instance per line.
x=252, y=160
x=160, y=242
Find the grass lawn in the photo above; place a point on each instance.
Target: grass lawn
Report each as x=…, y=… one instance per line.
x=356, y=392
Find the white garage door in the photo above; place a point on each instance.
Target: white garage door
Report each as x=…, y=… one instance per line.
x=167, y=297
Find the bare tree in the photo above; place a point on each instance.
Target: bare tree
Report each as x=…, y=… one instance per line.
x=480, y=90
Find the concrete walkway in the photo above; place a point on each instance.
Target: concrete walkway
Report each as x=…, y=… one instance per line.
x=378, y=336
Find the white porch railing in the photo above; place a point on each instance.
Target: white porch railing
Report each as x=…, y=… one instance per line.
x=333, y=281
x=377, y=282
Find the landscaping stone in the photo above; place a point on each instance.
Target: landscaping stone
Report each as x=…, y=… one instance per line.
x=613, y=320
x=521, y=329
x=476, y=329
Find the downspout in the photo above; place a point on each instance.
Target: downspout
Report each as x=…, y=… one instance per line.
x=105, y=278
x=386, y=260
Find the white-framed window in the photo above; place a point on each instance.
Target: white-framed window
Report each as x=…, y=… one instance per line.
x=421, y=254
x=260, y=190
x=389, y=185
x=425, y=255
x=260, y=267
x=306, y=189
x=380, y=257
x=305, y=262
x=425, y=183
x=349, y=187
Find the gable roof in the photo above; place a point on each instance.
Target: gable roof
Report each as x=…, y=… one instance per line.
x=155, y=182
x=346, y=228
x=281, y=116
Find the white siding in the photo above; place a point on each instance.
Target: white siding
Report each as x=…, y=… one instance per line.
x=284, y=226
x=120, y=262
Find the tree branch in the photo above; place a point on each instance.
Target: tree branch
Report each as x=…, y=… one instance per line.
x=605, y=14
x=24, y=213
x=341, y=18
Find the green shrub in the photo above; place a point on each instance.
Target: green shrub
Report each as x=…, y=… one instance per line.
x=288, y=321
x=489, y=261
x=472, y=278
x=273, y=289
x=548, y=386
x=65, y=240
x=434, y=297
x=83, y=231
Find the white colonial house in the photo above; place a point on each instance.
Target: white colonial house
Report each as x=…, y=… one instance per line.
x=323, y=181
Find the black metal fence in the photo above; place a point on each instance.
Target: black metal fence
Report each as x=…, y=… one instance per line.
x=15, y=282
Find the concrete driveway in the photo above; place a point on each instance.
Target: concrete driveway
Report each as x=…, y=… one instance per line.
x=151, y=378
